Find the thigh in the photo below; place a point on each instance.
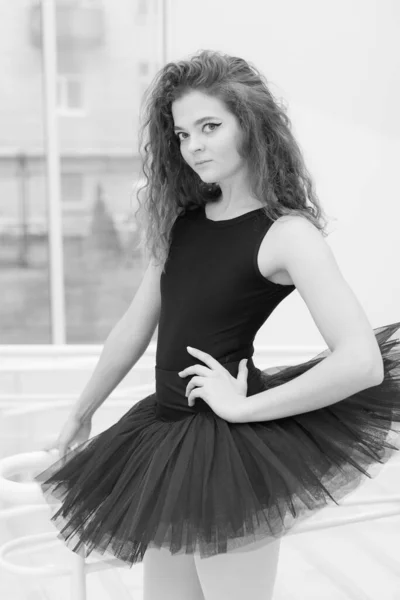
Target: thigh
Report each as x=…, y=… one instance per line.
x=170, y=576
x=244, y=572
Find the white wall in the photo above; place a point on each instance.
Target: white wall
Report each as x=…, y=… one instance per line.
x=337, y=67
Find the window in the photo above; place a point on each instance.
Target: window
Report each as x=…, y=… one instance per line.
x=142, y=7
x=70, y=94
x=143, y=68
x=72, y=189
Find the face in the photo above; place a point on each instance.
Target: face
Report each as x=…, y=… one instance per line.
x=207, y=131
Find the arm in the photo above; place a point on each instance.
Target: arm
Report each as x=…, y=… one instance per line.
x=355, y=362
x=124, y=346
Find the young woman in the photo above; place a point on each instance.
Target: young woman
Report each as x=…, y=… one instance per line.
x=202, y=478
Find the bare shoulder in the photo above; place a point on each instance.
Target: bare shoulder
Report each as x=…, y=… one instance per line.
x=296, y=225
x=298, y=243
x=285, y=235
x=293, y=224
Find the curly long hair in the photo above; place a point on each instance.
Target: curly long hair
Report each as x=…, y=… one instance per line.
x=277, y=173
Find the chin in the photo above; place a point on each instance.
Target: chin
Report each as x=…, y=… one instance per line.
x=209, y=178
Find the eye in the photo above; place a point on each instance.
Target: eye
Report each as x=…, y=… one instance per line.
x=214, y=125
x=180, y=133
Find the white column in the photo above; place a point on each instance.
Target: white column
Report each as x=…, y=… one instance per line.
x=164, y=29
x=50, y=119
x=159, y=15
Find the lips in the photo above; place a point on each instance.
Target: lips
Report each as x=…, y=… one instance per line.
x=201, y=162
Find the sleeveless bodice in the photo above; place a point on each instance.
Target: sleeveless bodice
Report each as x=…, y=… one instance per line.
x=213, y=296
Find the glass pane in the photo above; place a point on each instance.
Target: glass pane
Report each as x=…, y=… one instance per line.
x=24, y=260
x=72, y=188
x=75, y=95
x=107, y=54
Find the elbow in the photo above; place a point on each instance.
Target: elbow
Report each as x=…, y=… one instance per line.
x=373, y=369
x=379, y=372
x=368, y=366
x=368, y=358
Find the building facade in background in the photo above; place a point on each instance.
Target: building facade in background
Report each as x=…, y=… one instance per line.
x=108, y=52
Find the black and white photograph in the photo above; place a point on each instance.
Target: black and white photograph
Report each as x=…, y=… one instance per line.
x=200, y=300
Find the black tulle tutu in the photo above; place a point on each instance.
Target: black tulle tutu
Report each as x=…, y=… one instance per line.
x=193, y=483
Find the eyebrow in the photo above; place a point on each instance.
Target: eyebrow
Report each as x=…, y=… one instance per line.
x=198, y=122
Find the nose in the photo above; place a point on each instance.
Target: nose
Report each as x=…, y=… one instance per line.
x=195, y=145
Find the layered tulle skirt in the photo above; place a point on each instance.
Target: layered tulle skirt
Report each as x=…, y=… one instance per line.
x=178, y=477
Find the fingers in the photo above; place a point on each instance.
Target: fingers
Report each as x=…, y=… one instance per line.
x=61, y=449
x=195, y=370
x=209, y=360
